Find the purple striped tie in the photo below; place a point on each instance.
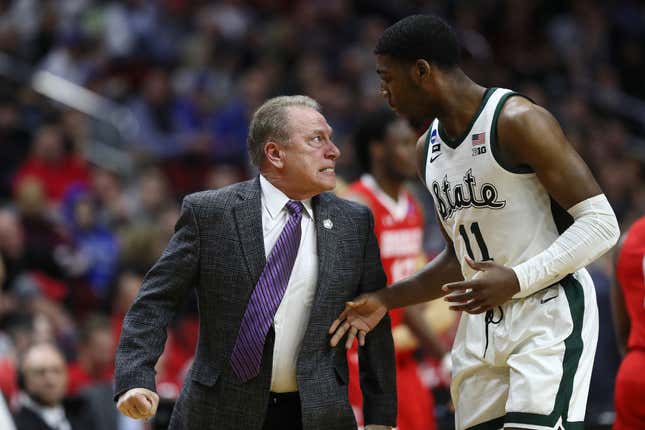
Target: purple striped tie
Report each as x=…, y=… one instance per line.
x=266, y=297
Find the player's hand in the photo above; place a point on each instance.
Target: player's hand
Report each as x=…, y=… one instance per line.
x=493, y=285
x=138, y=403
x=359, y=317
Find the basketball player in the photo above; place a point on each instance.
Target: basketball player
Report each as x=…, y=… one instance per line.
x=629, y=321
x=385, y=149
x=521, y=214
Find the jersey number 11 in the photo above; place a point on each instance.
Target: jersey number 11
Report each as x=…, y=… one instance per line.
x=474, y=228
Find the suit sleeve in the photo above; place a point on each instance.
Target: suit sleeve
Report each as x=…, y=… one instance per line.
x=376, y=358
x=163, y=290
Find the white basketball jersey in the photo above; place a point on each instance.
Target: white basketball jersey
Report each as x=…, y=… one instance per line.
x=489, y=211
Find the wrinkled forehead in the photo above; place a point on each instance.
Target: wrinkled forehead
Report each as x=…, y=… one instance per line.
x=303, y=119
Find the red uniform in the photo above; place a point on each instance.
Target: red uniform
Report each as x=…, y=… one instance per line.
x=398, y=226
x=630, y=381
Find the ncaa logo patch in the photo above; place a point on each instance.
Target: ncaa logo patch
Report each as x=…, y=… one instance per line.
x=436, y=147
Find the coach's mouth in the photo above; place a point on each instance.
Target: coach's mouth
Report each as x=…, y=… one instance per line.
x=328, y=171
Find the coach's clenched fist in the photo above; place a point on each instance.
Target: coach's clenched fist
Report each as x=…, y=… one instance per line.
x=138, y=403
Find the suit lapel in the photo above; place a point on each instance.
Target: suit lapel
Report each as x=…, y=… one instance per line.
x=328, y=221
x=248, y=219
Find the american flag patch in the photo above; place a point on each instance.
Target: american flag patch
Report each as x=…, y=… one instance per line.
x=479, y=138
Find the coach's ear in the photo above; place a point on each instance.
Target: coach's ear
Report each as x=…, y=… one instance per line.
x=274, y=154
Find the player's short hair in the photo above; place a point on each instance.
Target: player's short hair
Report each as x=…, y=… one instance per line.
x=371, y=128
x=425, y=37
x=270, y=122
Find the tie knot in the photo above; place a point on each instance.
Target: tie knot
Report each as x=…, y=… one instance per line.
x=294, y=207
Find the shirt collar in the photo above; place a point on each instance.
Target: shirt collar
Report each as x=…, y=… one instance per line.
x=275, y=200
x=53, y=415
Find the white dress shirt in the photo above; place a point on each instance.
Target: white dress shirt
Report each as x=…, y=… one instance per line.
x=53, y=416
x=292, y=316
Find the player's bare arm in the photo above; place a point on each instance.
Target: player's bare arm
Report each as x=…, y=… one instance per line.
x=529, y=135
x=364, y=312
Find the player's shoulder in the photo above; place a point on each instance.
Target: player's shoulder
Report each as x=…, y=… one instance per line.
x=520, y=112
x=422, y=141
x=527, y=130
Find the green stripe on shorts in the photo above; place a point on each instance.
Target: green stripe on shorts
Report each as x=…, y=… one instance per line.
x=573, y=350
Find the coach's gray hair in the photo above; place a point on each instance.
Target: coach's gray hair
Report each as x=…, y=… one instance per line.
x=270, y=122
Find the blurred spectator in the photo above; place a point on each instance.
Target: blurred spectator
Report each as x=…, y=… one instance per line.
x=29, y=245
x=230, y=125
x=149, y=196
x=130, y=27
x=94, y=362
x=52, y=165
x=221, y=175
x=93, y=241
x=126, y=289
x=42, y=404
x=71, y=59
x=156, y=112
x=108, y=188
x=14, y=141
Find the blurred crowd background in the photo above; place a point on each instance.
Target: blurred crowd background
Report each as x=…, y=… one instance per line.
x=90, y=182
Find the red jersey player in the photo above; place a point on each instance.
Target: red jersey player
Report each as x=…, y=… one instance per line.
x=385, y=146
x=629, y=320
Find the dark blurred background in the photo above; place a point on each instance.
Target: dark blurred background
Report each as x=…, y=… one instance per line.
x=111, y=111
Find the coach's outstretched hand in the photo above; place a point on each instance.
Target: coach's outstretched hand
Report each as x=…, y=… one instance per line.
x=138, y=403
x=359, y=317
x=493, y=285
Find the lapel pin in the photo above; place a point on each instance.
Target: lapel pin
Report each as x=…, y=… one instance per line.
x=328, y=224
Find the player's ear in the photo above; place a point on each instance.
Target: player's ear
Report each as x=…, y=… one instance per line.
x=421, y=70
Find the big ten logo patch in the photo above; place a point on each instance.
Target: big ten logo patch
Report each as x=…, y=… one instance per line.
x=479, y=143
x=479, y=150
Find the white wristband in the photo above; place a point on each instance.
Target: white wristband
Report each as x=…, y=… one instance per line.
x=593, y=232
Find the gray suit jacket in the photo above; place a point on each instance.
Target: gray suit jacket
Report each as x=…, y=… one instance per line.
x=218, y=249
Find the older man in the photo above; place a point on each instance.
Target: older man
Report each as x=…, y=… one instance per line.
x=43, y=406
x=272, y=261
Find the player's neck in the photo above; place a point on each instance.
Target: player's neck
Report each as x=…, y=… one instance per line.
x=460, y=104
x=390, y=186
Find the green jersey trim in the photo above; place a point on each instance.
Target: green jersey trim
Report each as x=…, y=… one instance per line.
x=425, y=153
x=454, y=143
x=522, y=168
x=561, y=217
